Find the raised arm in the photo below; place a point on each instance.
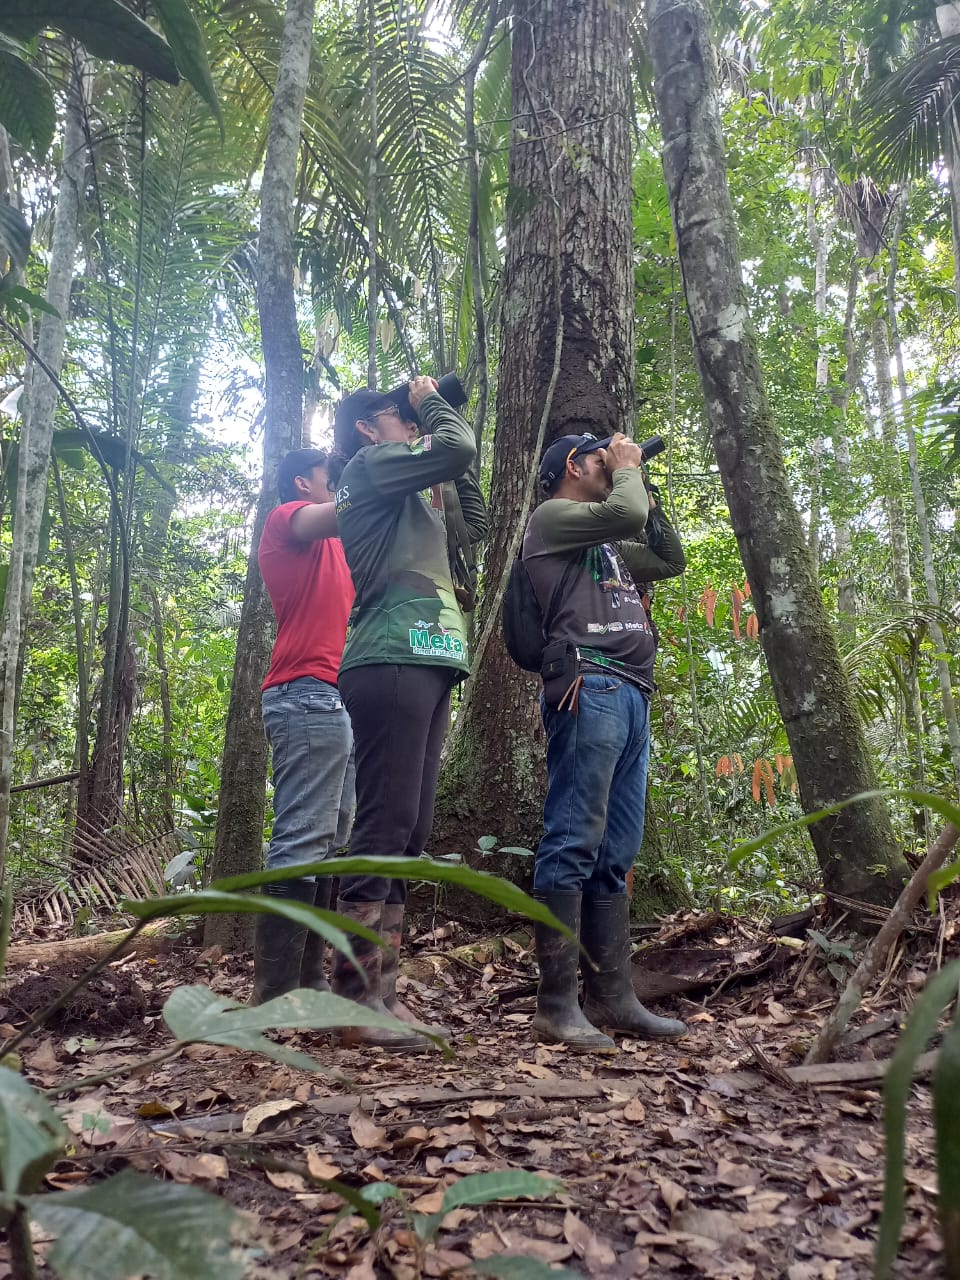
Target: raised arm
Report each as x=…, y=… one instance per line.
x=568, y=525
x=314, y=522
x=444, y=452
x=648, y=565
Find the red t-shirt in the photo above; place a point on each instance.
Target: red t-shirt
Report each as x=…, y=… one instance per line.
x=311, y=592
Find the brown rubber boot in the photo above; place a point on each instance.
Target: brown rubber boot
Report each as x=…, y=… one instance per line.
x=610, y=1000
x=559, y=1018
x=279, y=944
x=391, y=930
x=363, y=985
x=315, y=948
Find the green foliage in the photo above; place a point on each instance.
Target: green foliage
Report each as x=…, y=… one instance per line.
x=27, y=109
x=909, y=116
x=31, y=1137
x=131, y=1225
x=485, y=1188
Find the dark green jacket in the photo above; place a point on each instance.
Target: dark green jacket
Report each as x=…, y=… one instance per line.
x=405, y=610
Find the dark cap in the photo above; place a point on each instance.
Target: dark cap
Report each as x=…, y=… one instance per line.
x=359, y=404
x=553, y=464
x=298, y=462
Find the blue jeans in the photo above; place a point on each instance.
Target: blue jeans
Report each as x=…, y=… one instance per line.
x=597, y=764
x=313, y=773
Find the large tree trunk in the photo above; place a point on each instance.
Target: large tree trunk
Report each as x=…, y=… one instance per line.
x=856, y=848
x=566, y=364
x=38, y=407
x=239, y=838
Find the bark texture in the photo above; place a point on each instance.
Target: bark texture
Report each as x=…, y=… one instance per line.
x=568, y=266
x=856, y=848
x=239, y=838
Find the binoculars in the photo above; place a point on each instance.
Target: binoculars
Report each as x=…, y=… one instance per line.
x=450, y=388
x=652, y=447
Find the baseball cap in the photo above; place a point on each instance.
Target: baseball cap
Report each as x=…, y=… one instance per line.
x=555, y=457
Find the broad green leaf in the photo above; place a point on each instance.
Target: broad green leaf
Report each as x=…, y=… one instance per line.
x=132, y=1225
x=510, y=1267
x=482, y=1188
x=27, y=109
x=493, y=888
x=197, y=1014
x=502, y=1184
x=31, y=1135
x=14, y=232
x=363, y=1200
x=26, y=297
x=106, y=28
x=920, y=1026
x=212, y=902
x=186, y=40
x=946, y=1113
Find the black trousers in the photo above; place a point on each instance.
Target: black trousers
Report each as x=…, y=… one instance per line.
x=399, y=715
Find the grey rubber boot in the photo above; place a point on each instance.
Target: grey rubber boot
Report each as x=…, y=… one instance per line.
x=315, y=948
x=391, y=929
x=279, y=943
x=609, y=998
x=559, y=1018
x=364, y=985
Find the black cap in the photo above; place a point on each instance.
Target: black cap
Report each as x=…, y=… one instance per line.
x=554, y=461
x=359, y=404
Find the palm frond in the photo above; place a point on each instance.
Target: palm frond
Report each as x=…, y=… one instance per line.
x=911, y=119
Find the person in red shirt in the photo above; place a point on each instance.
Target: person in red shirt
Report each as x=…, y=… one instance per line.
x=303, y=567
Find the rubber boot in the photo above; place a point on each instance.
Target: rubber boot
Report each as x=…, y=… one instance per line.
x=349, y=982
x=609, y=998
x=559, y=1018
x=315, y=948
x=391, y=928
x=279, y=943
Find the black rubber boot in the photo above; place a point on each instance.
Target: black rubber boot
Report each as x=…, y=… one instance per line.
x=609, y=998
x=278, y=948
x=559, y=1018
x=314, y=948
x=391, y=929
x=348, y=981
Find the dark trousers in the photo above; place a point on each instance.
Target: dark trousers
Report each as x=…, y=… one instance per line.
x=399, y=715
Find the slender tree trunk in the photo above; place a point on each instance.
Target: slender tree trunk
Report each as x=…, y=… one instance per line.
x=847, y=595
x=38, y=406
x=239, y=837
x=932, y=591
x=820, y=241
x=566, y=364
x=948, y=20
x=856, y=848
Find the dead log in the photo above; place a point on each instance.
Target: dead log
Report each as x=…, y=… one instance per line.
x=153, y=939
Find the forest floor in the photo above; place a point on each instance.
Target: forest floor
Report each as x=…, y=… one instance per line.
x=701, y=1158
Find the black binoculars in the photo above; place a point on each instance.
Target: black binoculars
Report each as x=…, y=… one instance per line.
x=652, y=447
x=449, y=387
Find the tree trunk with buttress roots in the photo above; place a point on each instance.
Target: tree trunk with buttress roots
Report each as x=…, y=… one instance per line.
x=856, y=847
x=239, y=839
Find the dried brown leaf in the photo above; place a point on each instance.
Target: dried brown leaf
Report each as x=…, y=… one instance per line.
x=366, y=1134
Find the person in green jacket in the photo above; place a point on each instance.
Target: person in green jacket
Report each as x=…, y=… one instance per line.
x=406, y=648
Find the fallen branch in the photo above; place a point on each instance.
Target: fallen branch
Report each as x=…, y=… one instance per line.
x=64, y=951
x=831, y=1031
x=827, y=1073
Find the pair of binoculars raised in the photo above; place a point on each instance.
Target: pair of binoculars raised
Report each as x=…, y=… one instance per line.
x=449, y=387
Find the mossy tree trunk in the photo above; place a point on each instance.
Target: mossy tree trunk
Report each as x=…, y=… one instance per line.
x=856, y=848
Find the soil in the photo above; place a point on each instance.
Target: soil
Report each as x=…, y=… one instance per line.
x=699, y=1158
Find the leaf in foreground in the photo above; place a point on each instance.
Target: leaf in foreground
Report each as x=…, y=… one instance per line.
x=510, y=1267
x=132, y=1225
x=195, y=1014
x=31, y=1135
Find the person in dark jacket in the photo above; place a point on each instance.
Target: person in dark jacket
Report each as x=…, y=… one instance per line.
x=585, y=551
x=406, y=648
